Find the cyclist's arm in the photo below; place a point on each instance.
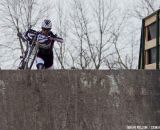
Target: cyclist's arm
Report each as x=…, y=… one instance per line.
x=56, y=38
x=20, y=35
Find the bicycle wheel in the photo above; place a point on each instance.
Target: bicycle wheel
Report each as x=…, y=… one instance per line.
x=22, y=63
x=31, y=57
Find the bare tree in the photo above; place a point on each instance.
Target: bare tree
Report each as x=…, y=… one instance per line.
x=20, y=15
x=125, y=60
x=83, y=59
x=103, y=14
x=61, y=25
x=96, y=34
x=143, y=8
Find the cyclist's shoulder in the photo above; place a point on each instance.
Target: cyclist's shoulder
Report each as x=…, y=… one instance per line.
x=31, y=31
x=52, y=34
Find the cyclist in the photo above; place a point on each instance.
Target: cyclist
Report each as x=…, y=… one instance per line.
x=45, y=40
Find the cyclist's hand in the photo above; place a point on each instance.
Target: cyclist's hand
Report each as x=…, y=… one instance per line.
x=19, y=34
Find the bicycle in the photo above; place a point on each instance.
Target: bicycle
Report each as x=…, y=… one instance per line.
x=29, y=56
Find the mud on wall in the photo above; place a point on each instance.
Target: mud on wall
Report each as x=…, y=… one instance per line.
x=79, y=100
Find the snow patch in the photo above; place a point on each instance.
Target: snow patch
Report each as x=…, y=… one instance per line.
x=103, y=81
x=85, y=82
x=2, y=87
x=114, y=87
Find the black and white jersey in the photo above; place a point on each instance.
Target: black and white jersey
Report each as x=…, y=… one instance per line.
x=45, y=43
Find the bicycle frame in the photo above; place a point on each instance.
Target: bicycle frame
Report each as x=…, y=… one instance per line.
x=29, y=56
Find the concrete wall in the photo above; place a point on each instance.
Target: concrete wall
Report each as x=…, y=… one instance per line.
x=79, y=100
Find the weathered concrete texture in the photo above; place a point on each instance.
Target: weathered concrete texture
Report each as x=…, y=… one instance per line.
x=78, y=100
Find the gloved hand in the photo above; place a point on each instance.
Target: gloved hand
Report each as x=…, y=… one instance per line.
x=19, y=34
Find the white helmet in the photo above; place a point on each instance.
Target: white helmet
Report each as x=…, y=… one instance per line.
x=47, y=24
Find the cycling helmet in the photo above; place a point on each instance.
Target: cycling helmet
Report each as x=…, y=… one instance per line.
x=46, y=24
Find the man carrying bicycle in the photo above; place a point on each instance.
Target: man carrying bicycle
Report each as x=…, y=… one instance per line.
x=45, y=40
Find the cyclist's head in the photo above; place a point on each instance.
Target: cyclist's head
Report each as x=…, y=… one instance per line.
x=46, y=24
